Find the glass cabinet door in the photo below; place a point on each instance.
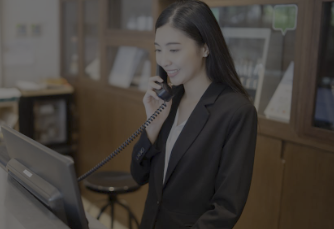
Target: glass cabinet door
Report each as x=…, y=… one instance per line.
x=324, y=103
x=91, y=41
x=129, y=66
x=130, y=15
x=50, y=124
x=261, y=40
x=70, y=38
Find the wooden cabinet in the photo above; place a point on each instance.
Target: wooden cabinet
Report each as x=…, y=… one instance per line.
x=291, y=43
x=317, y=90
x=307, y=199
x=46, y=116
x=263, y=206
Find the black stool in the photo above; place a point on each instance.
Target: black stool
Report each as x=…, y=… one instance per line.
x=113, y=183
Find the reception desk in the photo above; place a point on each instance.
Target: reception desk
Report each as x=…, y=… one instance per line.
x=20, y=210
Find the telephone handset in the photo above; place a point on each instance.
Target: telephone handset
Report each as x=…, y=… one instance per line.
x=165, y=93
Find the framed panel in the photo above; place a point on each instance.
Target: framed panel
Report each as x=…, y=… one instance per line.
x=91, y=39
x=69, y=39
x=318, y=121
x=246, y=44
x=261, y=39
x=262, y=210
x=324, y=102
x=307, y=192
x=131, y=15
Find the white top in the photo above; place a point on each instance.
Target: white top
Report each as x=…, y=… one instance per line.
x=173, y=136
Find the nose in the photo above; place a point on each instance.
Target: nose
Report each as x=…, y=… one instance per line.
x=164, y=59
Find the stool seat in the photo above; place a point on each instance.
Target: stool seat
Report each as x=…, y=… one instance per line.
x=111, y=182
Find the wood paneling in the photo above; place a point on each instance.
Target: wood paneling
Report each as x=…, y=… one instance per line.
x=308, y=188
x=286, y=132
x=262, y=207
x=106, y=120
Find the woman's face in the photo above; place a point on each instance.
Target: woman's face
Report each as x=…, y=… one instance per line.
x=178, y=55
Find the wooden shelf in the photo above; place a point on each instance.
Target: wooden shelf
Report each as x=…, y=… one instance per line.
x=49, y=91
x=5, y=104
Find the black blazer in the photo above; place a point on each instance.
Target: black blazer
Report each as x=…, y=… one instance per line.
x=210, y=168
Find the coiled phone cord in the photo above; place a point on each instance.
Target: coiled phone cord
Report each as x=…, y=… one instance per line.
x=126, y=143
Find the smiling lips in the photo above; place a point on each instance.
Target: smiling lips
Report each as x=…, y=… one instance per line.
x=172, y=73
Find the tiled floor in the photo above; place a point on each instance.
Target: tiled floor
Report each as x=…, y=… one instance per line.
x=104, y=219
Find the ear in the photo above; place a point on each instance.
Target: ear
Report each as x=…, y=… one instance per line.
x=205, y=50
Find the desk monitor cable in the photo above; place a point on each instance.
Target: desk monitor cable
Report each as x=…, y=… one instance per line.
x=126, y=143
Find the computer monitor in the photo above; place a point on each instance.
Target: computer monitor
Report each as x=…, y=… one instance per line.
x=48, y=175
x=4, y=158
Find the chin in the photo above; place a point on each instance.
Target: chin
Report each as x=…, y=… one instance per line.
x=175, y=82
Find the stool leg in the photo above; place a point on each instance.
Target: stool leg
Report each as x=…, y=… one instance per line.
x=130, y=222
x=112, y=216
x=112, y=211
x=131, y=215
x=102, y=210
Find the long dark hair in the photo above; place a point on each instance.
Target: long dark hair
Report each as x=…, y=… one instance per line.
x=197, y=21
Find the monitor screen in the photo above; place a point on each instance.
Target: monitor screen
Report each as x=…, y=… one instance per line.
x=51, y=167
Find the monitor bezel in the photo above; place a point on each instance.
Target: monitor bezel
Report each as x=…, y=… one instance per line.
x=53, y=167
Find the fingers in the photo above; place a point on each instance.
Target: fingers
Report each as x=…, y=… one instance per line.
x=156, y=78
x=152, y=94
x=153, y=82
x=154, y=85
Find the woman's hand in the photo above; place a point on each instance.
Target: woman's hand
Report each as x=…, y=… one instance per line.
x=152, y=102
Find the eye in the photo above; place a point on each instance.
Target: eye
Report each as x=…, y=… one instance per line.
x=157, y=50
x=174, y=50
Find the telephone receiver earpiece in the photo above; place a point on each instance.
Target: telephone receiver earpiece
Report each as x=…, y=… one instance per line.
x=165, y=93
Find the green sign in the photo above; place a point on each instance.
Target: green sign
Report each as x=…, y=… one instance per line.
x=285, y=18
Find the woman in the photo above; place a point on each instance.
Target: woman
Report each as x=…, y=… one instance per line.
x=197, y=155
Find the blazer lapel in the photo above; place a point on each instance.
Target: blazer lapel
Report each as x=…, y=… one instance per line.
x=192, y=128
x=165, y=129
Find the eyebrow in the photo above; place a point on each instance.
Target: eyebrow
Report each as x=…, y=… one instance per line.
x=170, y=43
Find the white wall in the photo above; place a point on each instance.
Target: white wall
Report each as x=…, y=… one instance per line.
x=40, y=55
